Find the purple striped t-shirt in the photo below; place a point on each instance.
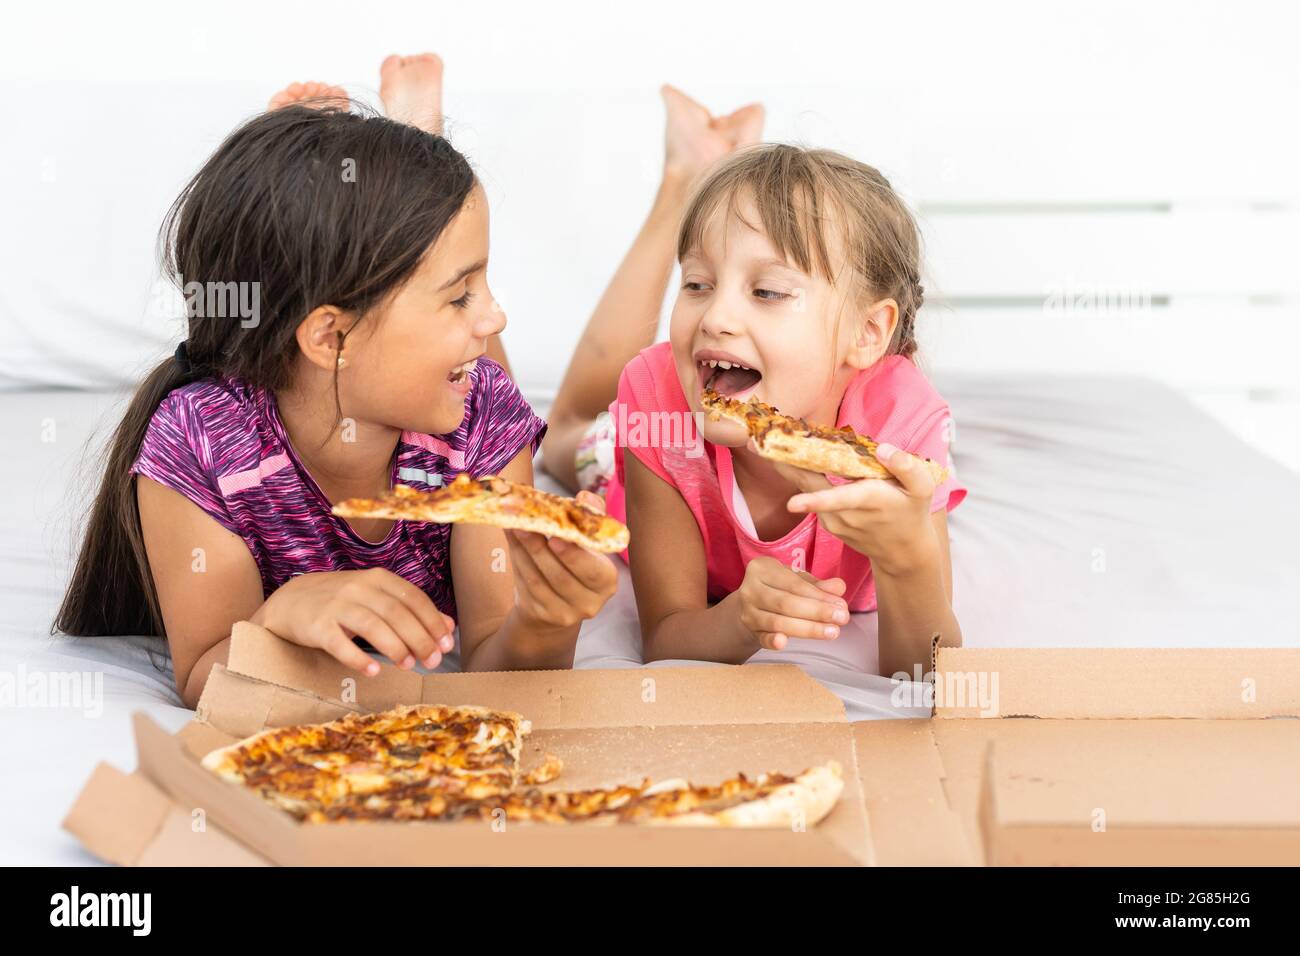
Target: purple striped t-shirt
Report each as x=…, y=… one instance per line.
x=221, y=444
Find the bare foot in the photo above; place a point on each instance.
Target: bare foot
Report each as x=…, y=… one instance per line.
x=694, y=139
x=311, y=93
x=411, y=88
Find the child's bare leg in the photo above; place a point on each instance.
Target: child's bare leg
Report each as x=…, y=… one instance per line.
x=626, y=318
x=625, y=321
x=411, y=90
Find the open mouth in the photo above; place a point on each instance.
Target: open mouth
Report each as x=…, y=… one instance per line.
x=728, y=378
x=461, y=372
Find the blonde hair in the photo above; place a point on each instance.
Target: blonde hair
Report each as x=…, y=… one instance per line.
x=805, y=197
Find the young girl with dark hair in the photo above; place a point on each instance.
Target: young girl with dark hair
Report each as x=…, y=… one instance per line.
x=361, y=244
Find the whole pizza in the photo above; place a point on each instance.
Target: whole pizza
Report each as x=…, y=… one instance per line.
x=437, y=763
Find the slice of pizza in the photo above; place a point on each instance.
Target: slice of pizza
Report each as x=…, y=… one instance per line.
x=495, y=501
x=794, y=441
x=370, y=759
x=769, y=800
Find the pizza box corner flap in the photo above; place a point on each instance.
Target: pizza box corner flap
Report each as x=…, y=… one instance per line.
x=176, y=770
x=116, y=814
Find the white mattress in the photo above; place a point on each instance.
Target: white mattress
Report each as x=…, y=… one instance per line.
x=1102, y=512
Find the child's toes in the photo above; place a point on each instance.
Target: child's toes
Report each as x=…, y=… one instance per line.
x=290, y=94
x=312, y=93
x=428, y=61
x=324, y=94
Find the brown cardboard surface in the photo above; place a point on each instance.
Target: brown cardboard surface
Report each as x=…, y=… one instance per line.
x=1151, y=792
x=903, y=779
x=1114, y=682
x=1140, y=731
x=771, y=693
x=1217, y=784
x=702, y=724
x=125, y=819
x=1099, y=712
x=136, y=806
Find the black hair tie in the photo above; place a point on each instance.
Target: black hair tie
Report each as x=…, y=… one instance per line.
x=182, y=357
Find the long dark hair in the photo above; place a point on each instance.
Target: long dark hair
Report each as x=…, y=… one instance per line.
x=315, y=206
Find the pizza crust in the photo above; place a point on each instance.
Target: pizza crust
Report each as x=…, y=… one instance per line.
x=805, y=802
x=824, y=457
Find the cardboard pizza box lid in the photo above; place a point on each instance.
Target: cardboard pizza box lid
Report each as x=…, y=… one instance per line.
x=923, y=780
x=1112, y=707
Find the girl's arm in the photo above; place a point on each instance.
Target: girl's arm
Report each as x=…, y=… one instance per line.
x=205, y=577
x=521, y=597
x=890, y=522
x=915, y=602
x=206, y=580
x=670, y=578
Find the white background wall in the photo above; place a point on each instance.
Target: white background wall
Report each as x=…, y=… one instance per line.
x=1143, y=156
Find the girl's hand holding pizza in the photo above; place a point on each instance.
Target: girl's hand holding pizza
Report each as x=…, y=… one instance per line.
x=888, y=520
x=557, y=583
x=326, y=609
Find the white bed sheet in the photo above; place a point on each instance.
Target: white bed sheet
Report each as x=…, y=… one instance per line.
x=1102, y=512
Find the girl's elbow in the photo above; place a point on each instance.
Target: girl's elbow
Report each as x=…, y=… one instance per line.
x=191, y=680
x=650, y=651
x=191, y=689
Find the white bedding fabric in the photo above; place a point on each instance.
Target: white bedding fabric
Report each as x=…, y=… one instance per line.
x=1102, y=512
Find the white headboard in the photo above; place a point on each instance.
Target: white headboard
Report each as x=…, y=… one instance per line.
x=1088, y=247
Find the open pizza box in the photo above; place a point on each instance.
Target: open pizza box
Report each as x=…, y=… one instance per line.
x=1110, y=770
x=608, y=727
x=1092, y=756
